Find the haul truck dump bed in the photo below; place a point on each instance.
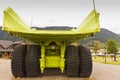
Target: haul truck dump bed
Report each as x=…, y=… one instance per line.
x=52, y=48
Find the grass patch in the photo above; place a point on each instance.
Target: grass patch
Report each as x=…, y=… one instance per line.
x=109, y=60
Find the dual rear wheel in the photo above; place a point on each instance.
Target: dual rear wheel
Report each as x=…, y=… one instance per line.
x=25, y=61
x=79, y=61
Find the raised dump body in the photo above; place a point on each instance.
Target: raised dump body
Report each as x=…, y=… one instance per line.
x=51, y=48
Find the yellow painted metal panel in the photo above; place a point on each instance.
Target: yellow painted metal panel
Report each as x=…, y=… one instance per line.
x=15, y=26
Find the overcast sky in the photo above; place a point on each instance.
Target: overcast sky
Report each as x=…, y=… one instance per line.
x=64, y=12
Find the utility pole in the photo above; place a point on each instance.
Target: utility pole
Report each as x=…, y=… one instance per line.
x=105, y=53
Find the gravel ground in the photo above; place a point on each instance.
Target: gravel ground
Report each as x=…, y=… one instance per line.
x=100, y=72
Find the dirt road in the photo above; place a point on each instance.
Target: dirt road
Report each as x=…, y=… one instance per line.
x=100, y=72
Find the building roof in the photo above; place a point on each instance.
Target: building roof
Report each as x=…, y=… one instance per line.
x=5, y=43
x=17, y=42
x=6, y=50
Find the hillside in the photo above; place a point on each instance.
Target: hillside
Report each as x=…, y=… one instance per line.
x=103, y=36
x=5, y=36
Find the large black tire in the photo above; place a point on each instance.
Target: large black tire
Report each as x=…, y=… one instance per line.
x=32, y=61
x=72, y=61
x=18, y=61
x=85, y=62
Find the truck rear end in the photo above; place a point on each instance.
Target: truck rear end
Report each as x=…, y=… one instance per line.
x=51, y=48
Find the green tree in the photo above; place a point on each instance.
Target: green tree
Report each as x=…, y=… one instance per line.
x=96, y=46
x=102, y=46
x=90, y=43
x=112, y=48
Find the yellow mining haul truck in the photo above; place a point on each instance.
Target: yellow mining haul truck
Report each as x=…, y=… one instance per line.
x=51, y=48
